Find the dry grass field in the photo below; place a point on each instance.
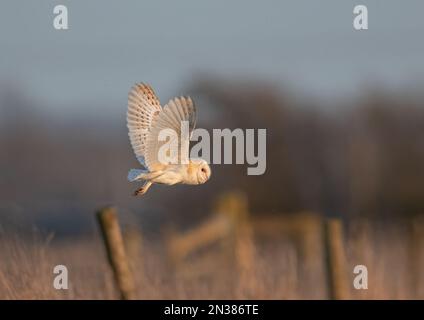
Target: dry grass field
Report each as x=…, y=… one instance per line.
x=393, y=254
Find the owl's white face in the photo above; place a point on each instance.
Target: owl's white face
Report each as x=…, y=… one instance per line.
x=203, y=172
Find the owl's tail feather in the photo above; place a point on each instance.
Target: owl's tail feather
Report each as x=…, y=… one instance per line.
x=137, y=174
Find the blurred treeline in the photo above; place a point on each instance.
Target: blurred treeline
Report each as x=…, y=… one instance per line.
x=359, y=158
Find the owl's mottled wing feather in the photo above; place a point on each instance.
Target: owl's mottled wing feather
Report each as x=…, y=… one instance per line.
x=143, y=107
x=173, y=114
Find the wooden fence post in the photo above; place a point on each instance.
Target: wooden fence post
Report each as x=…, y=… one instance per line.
x=112, y=236
x=309, y=233
x=416, y=248
x=336, y=260
x=235, y=206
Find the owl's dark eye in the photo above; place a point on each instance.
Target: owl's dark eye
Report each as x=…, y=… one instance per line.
x=203, y=170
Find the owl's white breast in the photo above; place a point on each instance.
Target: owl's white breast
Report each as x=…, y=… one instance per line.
x=172, y=175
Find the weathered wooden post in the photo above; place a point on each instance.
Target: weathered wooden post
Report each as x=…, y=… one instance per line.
x=112, y=236
x=309, y=232
x=235, y=206
x=336, y=260
x=416, y=255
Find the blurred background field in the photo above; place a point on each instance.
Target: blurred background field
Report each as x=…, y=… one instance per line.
x=344, y=113
x=265, y=265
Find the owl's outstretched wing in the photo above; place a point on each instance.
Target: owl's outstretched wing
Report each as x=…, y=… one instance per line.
x=143, y=107
x=174, y=113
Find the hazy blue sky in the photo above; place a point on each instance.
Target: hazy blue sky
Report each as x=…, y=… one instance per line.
x=308, y=46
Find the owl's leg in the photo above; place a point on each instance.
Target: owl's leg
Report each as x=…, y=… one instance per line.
x=143, y=189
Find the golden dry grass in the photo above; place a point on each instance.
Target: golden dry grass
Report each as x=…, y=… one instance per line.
x=393, y=253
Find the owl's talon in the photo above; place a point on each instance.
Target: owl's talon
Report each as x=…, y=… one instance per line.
x=140, y=191
x=143, y=189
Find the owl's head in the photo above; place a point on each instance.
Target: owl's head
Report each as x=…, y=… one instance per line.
x=202, y=170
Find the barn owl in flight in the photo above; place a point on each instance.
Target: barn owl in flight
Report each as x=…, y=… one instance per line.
x=146, y=119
